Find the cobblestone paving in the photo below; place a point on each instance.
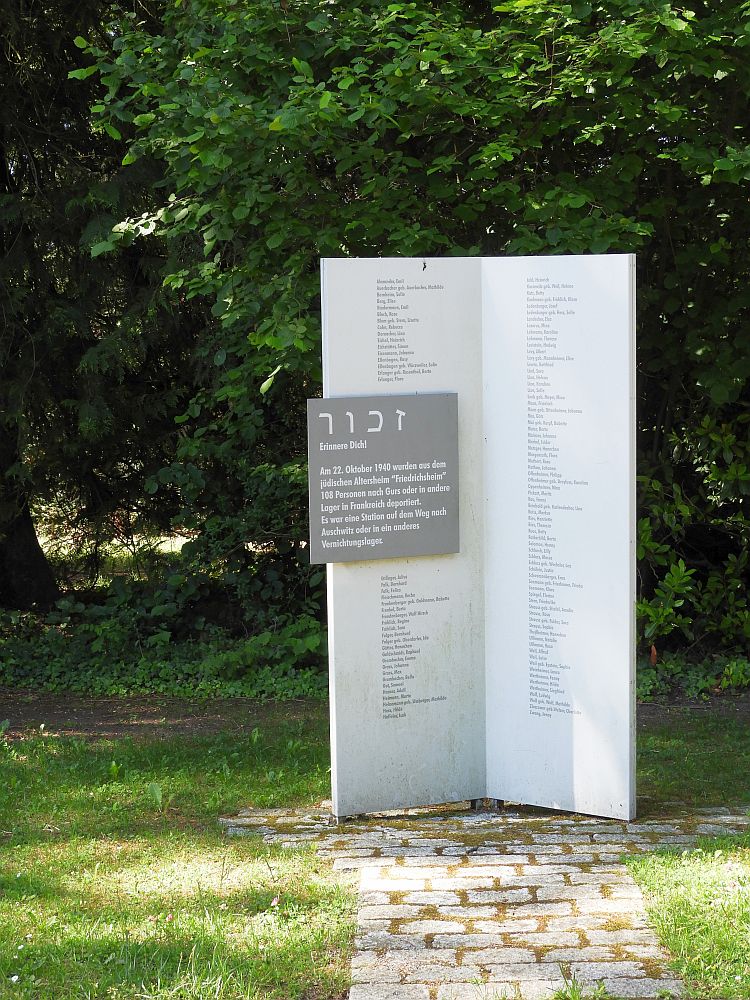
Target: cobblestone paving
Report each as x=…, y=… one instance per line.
x=464, y=905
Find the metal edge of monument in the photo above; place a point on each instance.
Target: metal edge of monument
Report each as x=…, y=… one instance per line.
x=491, y=399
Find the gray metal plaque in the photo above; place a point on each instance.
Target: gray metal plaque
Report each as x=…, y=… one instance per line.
x=383, y=475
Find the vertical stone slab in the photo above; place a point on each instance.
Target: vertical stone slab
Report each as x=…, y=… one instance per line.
x=506, y=669
x=560, y=531
x=406, y=636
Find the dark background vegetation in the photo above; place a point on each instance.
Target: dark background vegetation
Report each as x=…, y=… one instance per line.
x=170, y=174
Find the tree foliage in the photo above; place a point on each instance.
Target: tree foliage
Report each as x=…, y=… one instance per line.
x=230, y=145
x=90, y=354
x=314, y=129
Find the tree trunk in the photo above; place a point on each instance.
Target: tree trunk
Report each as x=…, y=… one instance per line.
x=26, y=579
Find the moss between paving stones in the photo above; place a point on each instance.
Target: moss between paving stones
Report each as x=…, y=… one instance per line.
x=488, y=855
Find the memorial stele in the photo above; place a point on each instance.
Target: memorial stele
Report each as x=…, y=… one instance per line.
x=472, y=491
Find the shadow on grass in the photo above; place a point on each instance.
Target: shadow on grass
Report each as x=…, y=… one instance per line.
x=62, y=787
x=699, y=762
x=66, y=786
x=23, y=887
x=116, y=880
x=247, y=950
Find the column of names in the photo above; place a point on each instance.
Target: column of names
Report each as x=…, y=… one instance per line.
x=553, y=495
x=397, y=323
x=406, y=619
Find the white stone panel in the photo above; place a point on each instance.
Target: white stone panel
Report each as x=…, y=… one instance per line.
x=559, y=544
x=517, y=666
x=433, y=750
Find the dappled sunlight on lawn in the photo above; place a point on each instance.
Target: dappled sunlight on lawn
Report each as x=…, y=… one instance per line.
x=116, y=880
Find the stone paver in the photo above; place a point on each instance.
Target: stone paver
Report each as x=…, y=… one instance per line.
x=463, y=905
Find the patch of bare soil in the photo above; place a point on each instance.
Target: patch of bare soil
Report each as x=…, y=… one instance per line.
x=662, y=711
x=155, y=716
x=143, y=717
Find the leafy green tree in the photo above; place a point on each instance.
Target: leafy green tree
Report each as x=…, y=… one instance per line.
x=91, y=360
x=319, y=129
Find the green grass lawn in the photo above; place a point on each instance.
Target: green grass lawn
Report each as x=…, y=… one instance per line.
x=699, y=901
x=699, y=905
x=698, y=760
x=116, y=881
